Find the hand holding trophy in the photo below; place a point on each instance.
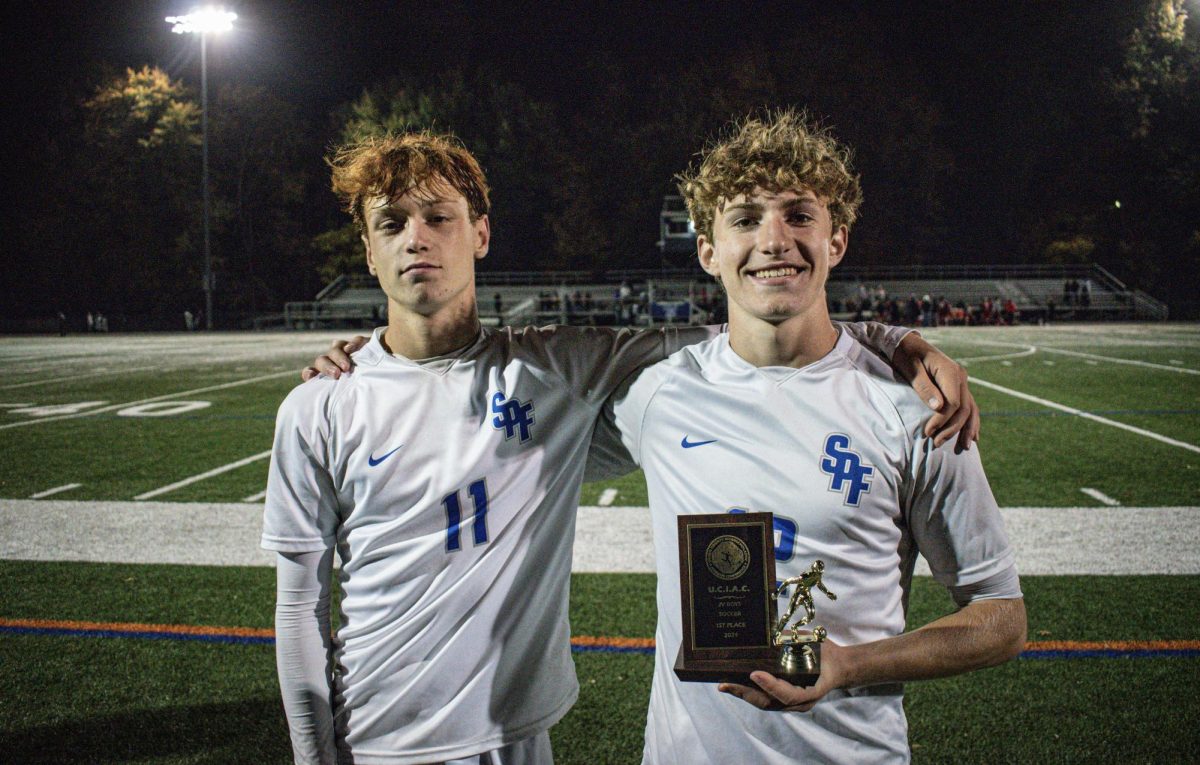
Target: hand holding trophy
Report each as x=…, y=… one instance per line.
x=727, y=584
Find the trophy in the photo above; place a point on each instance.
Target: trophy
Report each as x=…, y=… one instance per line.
x=727, y=583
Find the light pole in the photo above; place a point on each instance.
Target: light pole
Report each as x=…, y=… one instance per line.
x=204, y=21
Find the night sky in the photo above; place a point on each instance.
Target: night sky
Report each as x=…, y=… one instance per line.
x=320, y=54
x=1003, y=80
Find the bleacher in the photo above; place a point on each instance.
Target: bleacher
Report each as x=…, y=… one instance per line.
x=687, y=296
x=1037, y=290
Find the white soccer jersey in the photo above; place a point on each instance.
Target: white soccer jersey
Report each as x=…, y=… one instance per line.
x=835, y=451
x=449, y=488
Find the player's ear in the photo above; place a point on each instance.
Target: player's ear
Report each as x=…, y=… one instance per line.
x=370, y=256
x=838, y=243
x=707, y=255
x=483, y=236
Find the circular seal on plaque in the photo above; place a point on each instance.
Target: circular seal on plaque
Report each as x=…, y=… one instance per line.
x=727, y=557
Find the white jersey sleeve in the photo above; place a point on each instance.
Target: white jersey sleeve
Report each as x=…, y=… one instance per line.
x=301, y=507
x=882, y=339
x=956, y=523
x=638, y=349
x=597, y=360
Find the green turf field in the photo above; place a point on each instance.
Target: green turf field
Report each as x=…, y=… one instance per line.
x=1114, y=409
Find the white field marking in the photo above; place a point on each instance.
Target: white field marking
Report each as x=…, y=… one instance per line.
x=1101, y=497
x=606, y=497
x=48, y=380
x=55, y=490
x=259, y=497
x=1029, y=351
x=1114, y=360
x=1082, y=355
x=209, y=474
x=1176, y=362
x=15, y=406
x=1048, y=363
x=112, y=407
x=1087, y=415
x=1047, y=540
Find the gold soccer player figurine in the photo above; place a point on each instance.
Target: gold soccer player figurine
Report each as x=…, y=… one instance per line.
x=790, y=637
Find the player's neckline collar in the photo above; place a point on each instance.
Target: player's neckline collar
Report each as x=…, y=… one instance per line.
x=438, y=364
x=779, y=374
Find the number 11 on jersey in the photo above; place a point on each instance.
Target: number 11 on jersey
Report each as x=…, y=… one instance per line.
x=478, y=492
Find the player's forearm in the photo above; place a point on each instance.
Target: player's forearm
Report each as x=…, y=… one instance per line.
x=983, y=634
x=302, y=628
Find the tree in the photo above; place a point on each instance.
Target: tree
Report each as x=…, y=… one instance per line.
x=515, y=138
x=256, y=144
x=1155, y=220
x=139, y=181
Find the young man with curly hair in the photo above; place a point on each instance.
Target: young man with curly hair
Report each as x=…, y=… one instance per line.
x=445, y=472
x=800, y=421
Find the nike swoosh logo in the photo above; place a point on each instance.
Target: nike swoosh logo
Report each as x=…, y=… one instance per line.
x=686, y=444
x=372, y=461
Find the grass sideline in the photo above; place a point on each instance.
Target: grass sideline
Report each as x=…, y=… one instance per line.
x=165, y=701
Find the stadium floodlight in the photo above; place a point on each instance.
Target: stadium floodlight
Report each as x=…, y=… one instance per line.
x=205, y=21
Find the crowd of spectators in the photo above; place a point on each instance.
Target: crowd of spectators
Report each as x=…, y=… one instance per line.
x=925, y=311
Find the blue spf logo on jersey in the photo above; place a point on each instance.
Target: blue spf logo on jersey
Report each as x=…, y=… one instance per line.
x=512, y=416
x=846, y=470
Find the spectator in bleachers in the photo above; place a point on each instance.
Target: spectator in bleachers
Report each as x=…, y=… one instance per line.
x=912, y=310
x=1010, y=312
x=926, y=311
x=943, y=312
x=987, y=312
x=498, y=304
x=1085, y=293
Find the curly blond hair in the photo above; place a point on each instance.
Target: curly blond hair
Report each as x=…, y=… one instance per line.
x=783, y=150
x=391, y=165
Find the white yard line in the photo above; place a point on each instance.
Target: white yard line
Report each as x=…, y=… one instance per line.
x=1086, y=415
x=606, y=497
x=55, y=490
x=209, y=474
x=114, y=407
x=70, y=378
x=1049, y=349
x=259, y=497
x=1100, y=496
x=1029, y=351
x=1114, y=360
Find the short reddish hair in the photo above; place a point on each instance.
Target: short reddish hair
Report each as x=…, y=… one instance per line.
x=391, y=165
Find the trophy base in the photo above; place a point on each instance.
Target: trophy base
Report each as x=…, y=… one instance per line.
x=793, y=666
